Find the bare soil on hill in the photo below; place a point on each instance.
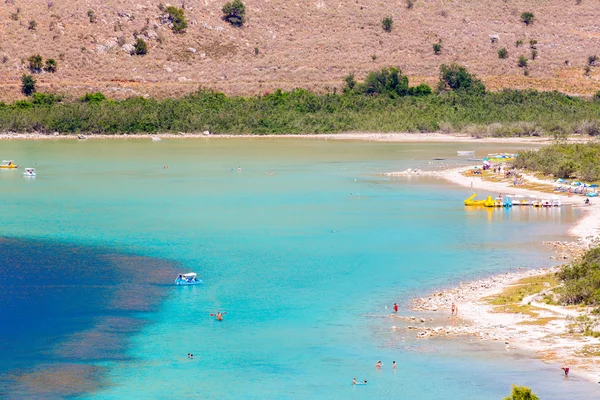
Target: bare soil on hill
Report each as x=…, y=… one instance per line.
x=287, y=44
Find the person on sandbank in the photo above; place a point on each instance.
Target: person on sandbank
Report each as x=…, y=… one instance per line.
x=454, y=309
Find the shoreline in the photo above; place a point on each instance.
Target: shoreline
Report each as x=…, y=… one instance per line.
x=548, y=334
x=366, y=136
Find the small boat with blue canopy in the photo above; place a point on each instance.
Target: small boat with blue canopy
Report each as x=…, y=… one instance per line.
x=190, y=278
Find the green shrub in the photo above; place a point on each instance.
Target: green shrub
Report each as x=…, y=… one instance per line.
x=387, y=81
x=350, y=83
x=44, y=99
x=27, y=85
x=519, y=43
x=582, y=280
x=177, y=19
x=592, y=60
x=32, y=25
x=50, y=65
x=534, y=54
x=503, y=53
x=527, y=18
x=420, y=90
x=140, y=48
x=387, y=23
x=456, y=78
x=35, y=64
x=93, y=98
x=22, y=105
x=521, y=393
x=522, y=62
x=437, y=47
x=234, y=12
x=533, y=44
x=91, y=16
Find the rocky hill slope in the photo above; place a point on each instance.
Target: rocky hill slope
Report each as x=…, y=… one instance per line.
x=299, y=43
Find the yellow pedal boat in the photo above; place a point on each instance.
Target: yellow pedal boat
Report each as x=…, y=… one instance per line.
x=8, y=164
x=472, y=201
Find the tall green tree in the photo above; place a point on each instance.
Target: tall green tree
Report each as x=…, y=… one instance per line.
x=234, y=12
x=27, y=85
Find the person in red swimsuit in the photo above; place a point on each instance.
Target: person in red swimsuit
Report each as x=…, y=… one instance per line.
x=395, y=307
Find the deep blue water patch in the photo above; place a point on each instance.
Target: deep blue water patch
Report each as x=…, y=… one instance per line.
x=64, y=308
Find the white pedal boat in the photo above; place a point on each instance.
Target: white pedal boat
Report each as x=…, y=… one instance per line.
x=188, y=279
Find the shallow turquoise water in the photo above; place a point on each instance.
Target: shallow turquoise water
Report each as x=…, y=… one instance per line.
x=303, y=269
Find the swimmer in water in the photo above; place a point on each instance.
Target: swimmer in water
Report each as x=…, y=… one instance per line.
x=378, y=365
x=219, y=316
x=354, y=381
x=394, y=364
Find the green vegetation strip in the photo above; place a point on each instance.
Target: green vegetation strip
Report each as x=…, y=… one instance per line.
x=383, y=102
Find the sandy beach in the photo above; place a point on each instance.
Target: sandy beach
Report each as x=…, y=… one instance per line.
x=548, y=330
x=380, y=137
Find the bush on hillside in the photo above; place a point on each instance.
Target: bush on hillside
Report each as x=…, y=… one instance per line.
x=521, y=393
x=93, y=98
x=410, y=4
x=596, y=96
x=44, y=99
x=456, y=78
x=563, y=160
x=35, y=64
x=527, y=18
x=50, y=65
x=503, y=53
x=177, y=19
x=533, y=44
x=420, y=90
x=32, y=25
x=140, y=48
x=234, y=12
x=534, y=54
x=522, y=62
x=27, y=85
x=582, y=280
x=91, y=16
x=388, y=81
x=519, y=43
x=437, y=47
x=592, y=60
x=387, y=23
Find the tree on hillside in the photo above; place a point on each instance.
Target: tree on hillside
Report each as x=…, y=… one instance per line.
x=177, y=19
x=140, y=48
x=27, y=85
x=35, y=64
x=527, y=18
x=234, y=12
x=51, y=65
x=388, y=81
x=521, y=393
x=455, y=77
x=387, y=23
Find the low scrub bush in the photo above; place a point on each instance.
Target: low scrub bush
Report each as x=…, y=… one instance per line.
x=522, y=62
x=50, y=65
x=32, y=25
x=387, y=23
x=93, y=98
x=234, y=12
x=35, y=64
x=140, y=48
x=521, y=393
x=527, y=18
x=437, y=48
x=503, y=53
x=91, y=16
x=177, y=19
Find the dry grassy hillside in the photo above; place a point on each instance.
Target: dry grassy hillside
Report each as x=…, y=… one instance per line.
x=311, y=44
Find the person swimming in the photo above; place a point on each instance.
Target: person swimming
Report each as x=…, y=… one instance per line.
x=378, y=365
x=219, y=316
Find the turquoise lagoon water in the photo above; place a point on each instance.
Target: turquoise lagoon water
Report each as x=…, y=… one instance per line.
x=304, y=270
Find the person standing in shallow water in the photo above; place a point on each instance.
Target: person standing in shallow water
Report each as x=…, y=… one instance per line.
x=395, y=307
x=454, y=309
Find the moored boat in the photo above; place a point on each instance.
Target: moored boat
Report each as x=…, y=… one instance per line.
x=190, y=278
x=29, y=172
x=8, y=164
